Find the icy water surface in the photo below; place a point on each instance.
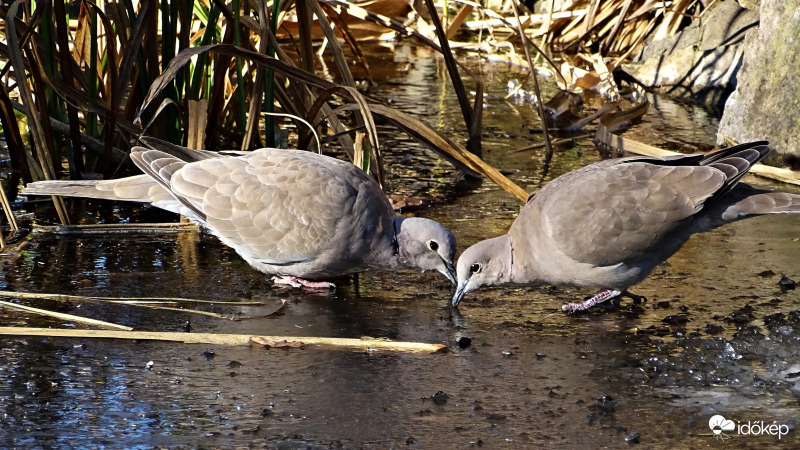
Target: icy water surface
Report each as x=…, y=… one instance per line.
x=717, y=337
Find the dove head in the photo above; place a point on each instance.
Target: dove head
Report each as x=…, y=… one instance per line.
x=485, y=263
x=425, y=244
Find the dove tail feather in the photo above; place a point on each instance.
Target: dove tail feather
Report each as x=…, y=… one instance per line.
x=161, y=167
x=734, y=162
x=134, y=189
x=765, y=203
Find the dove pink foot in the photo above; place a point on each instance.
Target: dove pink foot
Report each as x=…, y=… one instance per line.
x=588, y=303
x=299, y=282
x=604, y=296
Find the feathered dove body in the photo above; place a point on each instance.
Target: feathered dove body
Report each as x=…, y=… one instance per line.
x=288, y=213
x=607, y=225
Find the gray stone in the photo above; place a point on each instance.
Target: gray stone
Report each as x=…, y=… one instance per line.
x=726, y=25
x=701, y=61
x=750, y=4
x=766, y=103
x=687, y=38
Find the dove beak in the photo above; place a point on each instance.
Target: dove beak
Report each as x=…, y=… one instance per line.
x=459, y=294
x=449, y=272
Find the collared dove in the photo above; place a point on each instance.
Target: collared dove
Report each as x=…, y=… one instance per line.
x=293, y=214
x=607, y=225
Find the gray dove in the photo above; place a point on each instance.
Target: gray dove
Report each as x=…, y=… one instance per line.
x=607, y=225
x=297, y=215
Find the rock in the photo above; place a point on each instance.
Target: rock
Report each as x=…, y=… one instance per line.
x=676, y=319
x=439, y=398
x=464, y=342
x=495, y=417
x=750, y=4
x=786, y=283
x=701, y=62
x=765, y=103
x=605, y=404
x=633, y=438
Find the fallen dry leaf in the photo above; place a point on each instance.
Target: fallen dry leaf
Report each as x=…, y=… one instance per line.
x=269, y=343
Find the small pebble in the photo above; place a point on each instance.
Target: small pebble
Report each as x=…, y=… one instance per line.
x=606, y=404
x=786, y=283
x=633, y=438
x=677, y=319
x=494, y=417
x=439, y=398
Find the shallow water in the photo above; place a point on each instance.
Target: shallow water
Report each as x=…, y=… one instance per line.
x=532, y=376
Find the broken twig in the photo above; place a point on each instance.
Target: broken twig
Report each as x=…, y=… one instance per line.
x=111, y=228
x=131, y=300
x=67, y=317
x=364, y=344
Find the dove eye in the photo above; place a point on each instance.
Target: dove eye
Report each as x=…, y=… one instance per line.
x=475, y=268
x=433, y=245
